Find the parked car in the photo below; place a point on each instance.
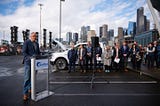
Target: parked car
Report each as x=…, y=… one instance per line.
x=60, y=59
x=4, y=49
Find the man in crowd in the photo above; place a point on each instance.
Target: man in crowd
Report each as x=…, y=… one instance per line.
x=124, y=55
x=72, y=57
x=89, y=56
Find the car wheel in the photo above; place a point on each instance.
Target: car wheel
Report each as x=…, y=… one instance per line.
x=61, y=64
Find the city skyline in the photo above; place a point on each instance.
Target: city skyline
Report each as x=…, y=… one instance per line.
x=25, y=15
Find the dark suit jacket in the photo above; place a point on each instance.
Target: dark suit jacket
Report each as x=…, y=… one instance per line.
x=72, y=55
x=29, y=50
x=124, y=51
x=99, y=51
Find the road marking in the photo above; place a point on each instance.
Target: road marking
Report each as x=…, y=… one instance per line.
x=89, y=76
x=5, y=72
x=105, y=82
x=106, y=94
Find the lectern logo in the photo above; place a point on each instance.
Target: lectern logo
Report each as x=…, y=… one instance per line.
x=41, y=64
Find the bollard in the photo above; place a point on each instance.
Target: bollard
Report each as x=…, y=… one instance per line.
x=33, y=94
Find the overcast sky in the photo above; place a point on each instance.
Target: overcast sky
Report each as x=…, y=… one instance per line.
x=75, y=13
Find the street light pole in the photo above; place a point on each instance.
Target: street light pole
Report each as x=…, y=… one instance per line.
x=60, y=19
x=40, y=5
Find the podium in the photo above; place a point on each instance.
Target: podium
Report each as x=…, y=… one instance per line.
x=39, y=63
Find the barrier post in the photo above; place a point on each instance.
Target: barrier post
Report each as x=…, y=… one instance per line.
x=33, y=94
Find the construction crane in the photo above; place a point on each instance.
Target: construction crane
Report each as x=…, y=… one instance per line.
x=153, y=4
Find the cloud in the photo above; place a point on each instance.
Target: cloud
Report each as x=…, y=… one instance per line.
x=74, y=15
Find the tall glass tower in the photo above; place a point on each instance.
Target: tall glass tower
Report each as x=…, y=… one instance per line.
x=132, y=28
x=141, y=21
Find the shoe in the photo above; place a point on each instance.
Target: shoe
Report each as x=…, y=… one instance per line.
x=25, y=97
x=126, y=70
x=106, y=71
x=69, y=71
x=99, y=70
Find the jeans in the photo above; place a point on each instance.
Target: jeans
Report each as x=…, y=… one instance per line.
x=27, y=77
x=71, y=65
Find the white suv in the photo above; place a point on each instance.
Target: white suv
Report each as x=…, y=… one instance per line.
x=60, y=59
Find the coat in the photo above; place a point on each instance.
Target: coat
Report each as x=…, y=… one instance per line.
x=107, y=57
x=72, y=55
x=30, y=50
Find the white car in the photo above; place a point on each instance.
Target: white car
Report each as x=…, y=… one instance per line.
x=60, y=58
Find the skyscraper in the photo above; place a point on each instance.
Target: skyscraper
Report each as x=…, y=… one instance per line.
x=100, y=31
x=75, y=37
x=141, y=21
x=148, y=25
x=111, y=34
x=104, y=30
x=120, y=33
x=91, y=33
x=132, y=29
x=84, y=30
x=69, y=37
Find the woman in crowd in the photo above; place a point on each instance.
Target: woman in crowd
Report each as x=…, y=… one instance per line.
x=134, y=52
x=139, y=57
x=116, y=55
x=107, y=59
x=82, y=58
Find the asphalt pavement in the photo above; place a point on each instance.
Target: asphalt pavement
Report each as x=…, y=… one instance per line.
x=109, y=89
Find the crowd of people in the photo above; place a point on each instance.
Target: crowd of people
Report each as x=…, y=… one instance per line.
x=91, y=58
x=114, y=58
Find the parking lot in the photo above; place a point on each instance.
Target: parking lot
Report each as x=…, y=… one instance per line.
x=78, y=89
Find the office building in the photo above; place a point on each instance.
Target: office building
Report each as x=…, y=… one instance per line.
x=111, y=34
x=83, y=33
x=104, y=31
x=69, y=37
x=91, y=33
x=75, y=37
x=100, y=31
x=141, y=21
x=131, y=29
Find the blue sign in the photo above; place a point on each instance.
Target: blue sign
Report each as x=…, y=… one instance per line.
x=41, y=64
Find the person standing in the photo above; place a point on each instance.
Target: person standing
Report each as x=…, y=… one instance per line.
x=158, y=54
x=139, y=57
x=116, y=55
x=155, y=53
x=89, y=56
x=30, y=48
x=134, y=51
x=97, y=58
x=107, y=59
x=150, y=51
x=124, y=56
x=82, y=58
x=72, y=57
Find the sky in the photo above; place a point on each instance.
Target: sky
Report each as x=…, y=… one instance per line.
x=75, y=13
